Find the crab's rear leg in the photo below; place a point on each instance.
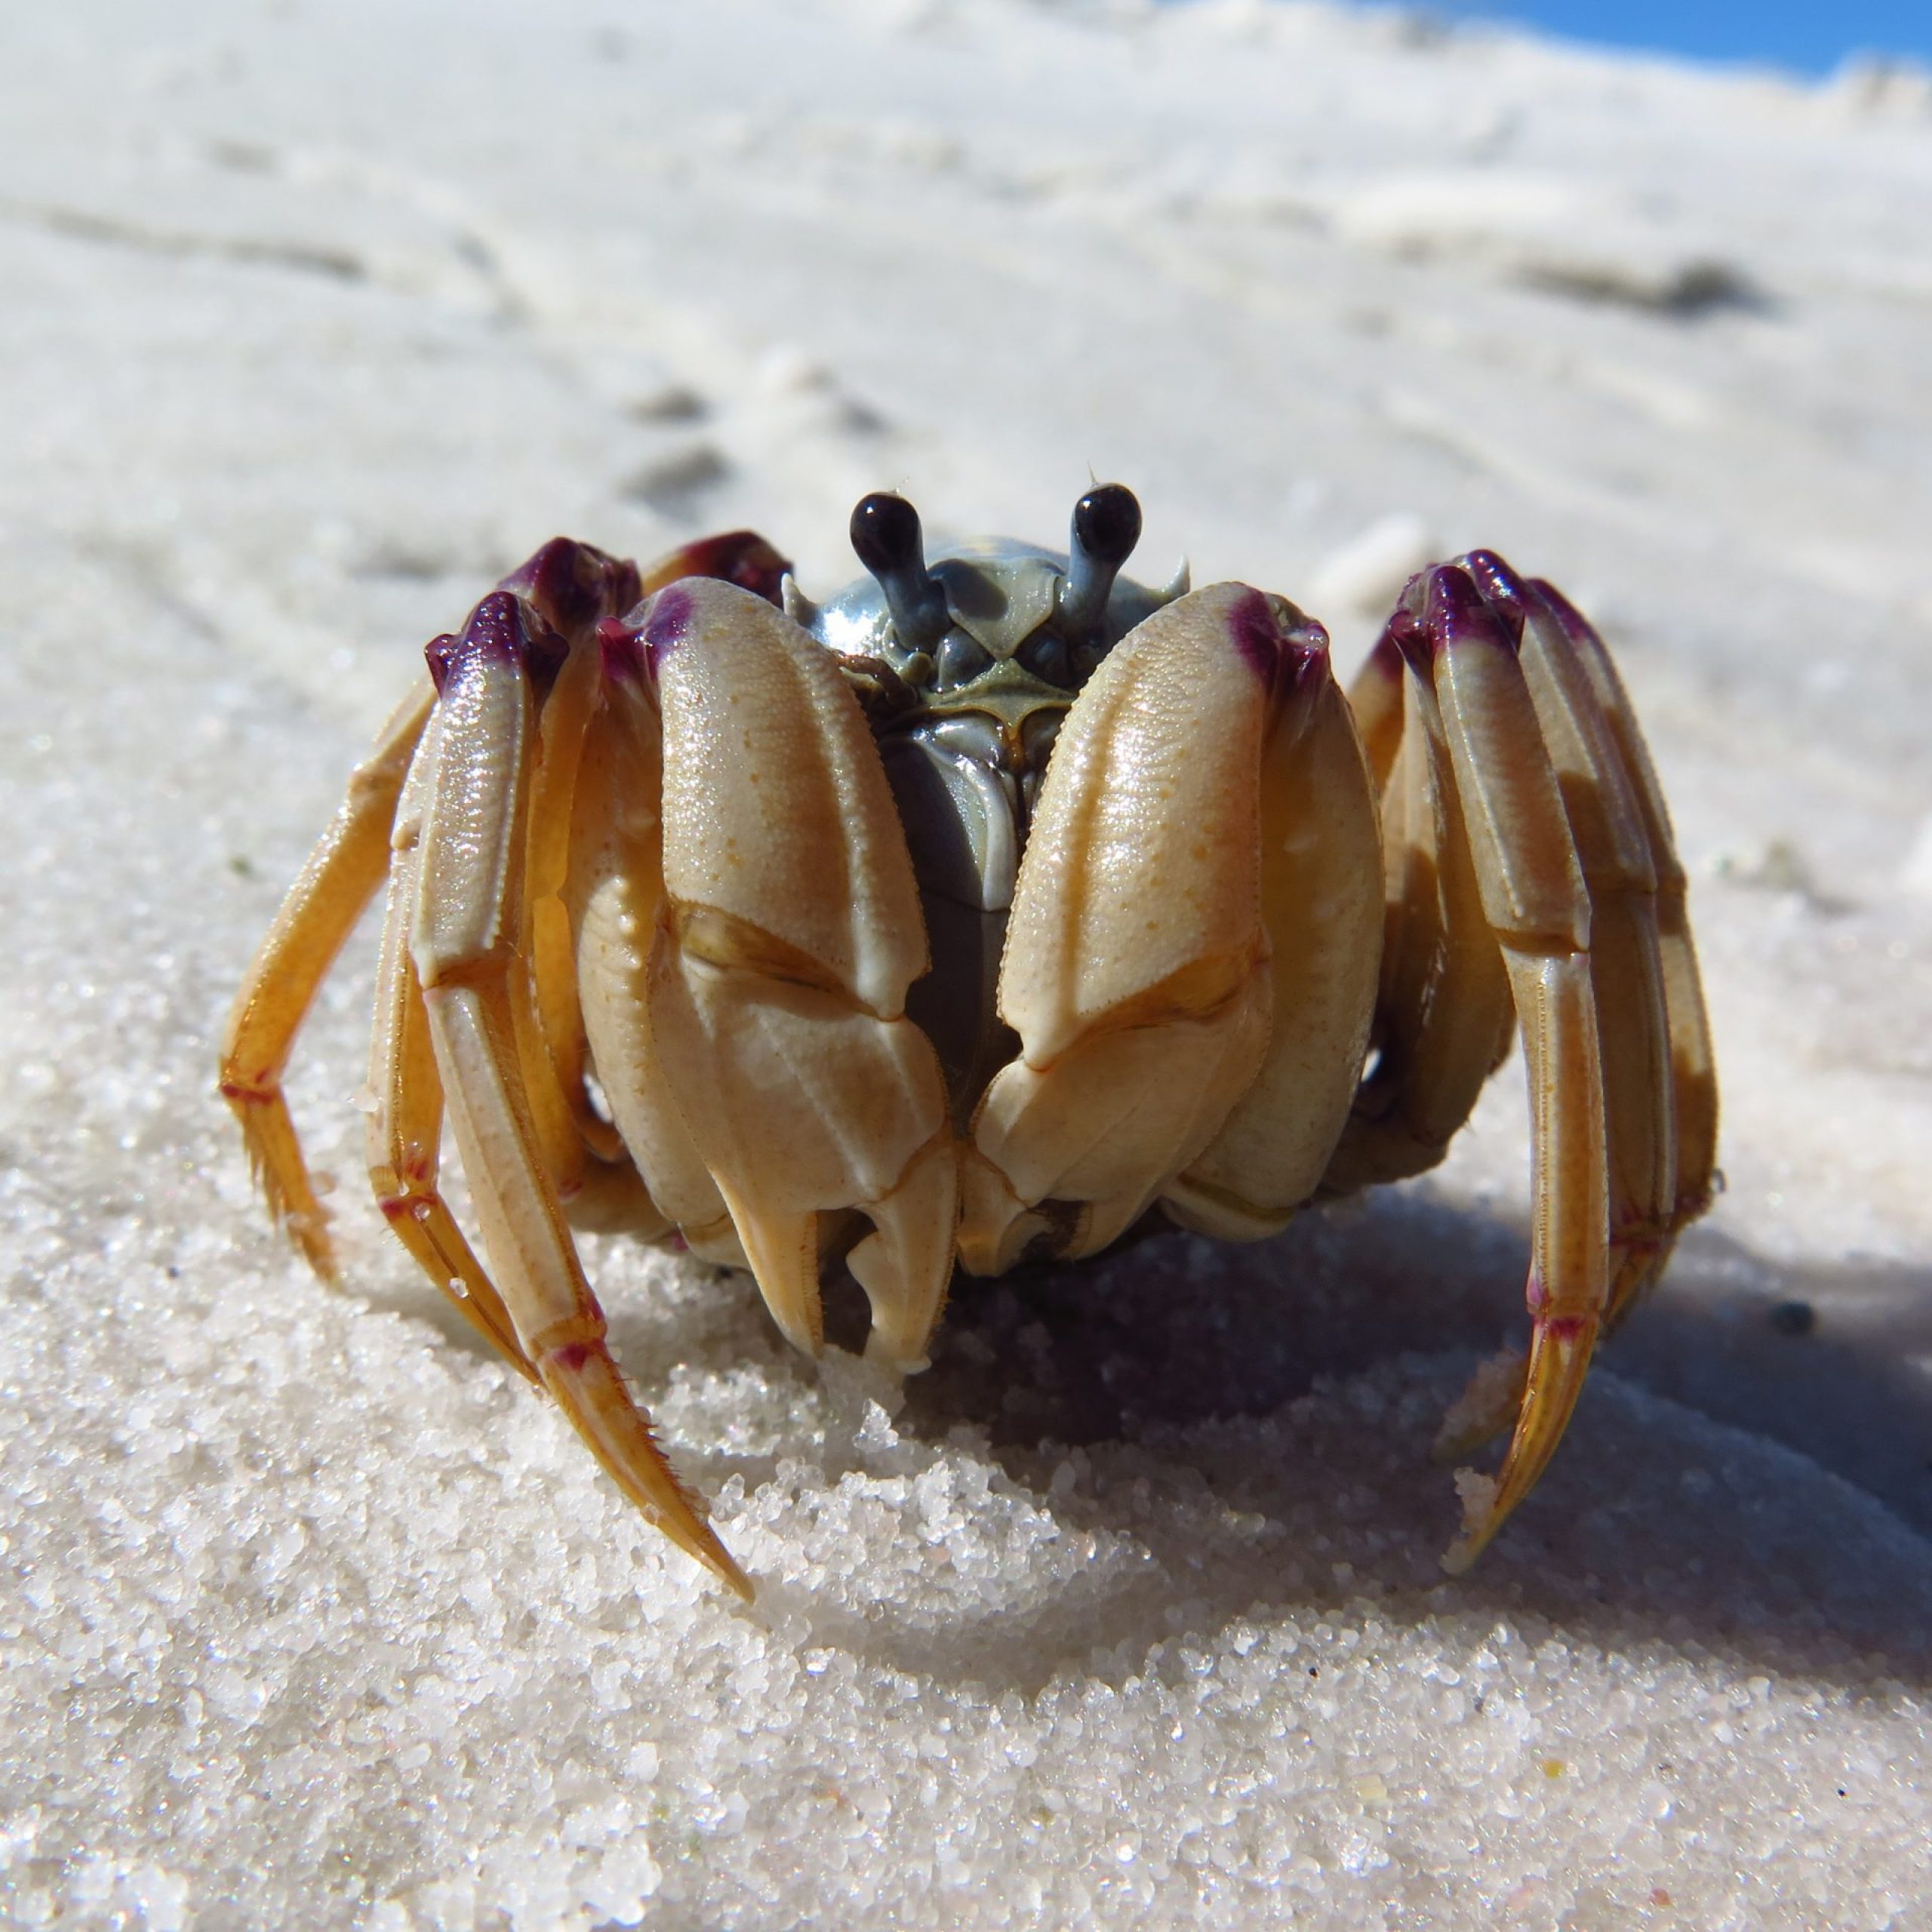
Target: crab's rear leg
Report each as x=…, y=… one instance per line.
x=321, y=911
x=1627, y=859
x=772, y=925
x=1677, y=1064
x=1500, y=750
x=466, y=944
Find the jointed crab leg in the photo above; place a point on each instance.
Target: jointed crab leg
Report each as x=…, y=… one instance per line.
x=1445, y=1014
x=1476, y=703
x=465, y=943
x=1693, y=1074
x=573, y=586
x=405, y=1128
x=1620, y=873
x=318, y=915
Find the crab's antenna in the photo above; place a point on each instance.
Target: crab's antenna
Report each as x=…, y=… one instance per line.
x=1107, y=526
x=885, y=533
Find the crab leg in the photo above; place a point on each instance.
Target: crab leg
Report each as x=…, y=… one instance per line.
x=615, y=892
x=464, y=944
x=573, y=586
x=1620, y=854
x=405, y=1126
x=1475, y=703
x=1693, y=1073
x=1443, y=1012
x=322, y=907
x=787, y=932
x=1137, y=971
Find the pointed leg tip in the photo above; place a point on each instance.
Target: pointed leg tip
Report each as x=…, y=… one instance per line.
x=728, y=1572
x=1637, y=1266
x=310, y=1238
x=586, y=1383
x=1559, y=1361
x=700, y=1542
x=1550, y=1380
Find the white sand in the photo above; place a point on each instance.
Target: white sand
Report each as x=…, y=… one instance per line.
x=318, y=319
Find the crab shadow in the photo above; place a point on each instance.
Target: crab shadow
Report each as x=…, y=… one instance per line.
x=1753, y=1472
x=1246, y=1431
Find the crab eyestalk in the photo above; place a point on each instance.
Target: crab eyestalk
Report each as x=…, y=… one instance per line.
x=885, y=534
x=1107, y=526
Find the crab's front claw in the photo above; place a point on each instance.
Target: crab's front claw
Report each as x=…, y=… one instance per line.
x=769, y=1058
x=1170, y=877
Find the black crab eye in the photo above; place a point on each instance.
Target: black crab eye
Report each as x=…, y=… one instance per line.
x=1106, y=524
x=885, y=534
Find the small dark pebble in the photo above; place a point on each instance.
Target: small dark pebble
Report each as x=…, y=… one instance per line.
x=1793, y=1318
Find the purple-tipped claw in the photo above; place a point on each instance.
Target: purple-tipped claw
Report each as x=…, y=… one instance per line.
x=1405, y=635
x=1577, y=627
x=439, y=653
x=667, y=619
x=1280, y=653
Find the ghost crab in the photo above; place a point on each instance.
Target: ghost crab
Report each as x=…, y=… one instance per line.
x=768, y=927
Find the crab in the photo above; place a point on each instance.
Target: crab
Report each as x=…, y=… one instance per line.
x=995, y=909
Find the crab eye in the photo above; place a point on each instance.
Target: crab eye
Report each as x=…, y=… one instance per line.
x=1106, y=524
x=885, y=533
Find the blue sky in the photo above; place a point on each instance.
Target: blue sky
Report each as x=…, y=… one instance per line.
x=1811, y=37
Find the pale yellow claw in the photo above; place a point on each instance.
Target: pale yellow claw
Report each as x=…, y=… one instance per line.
x=776, y=812
x=1137, y=971
x=790, y=931
x=1321, y=908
